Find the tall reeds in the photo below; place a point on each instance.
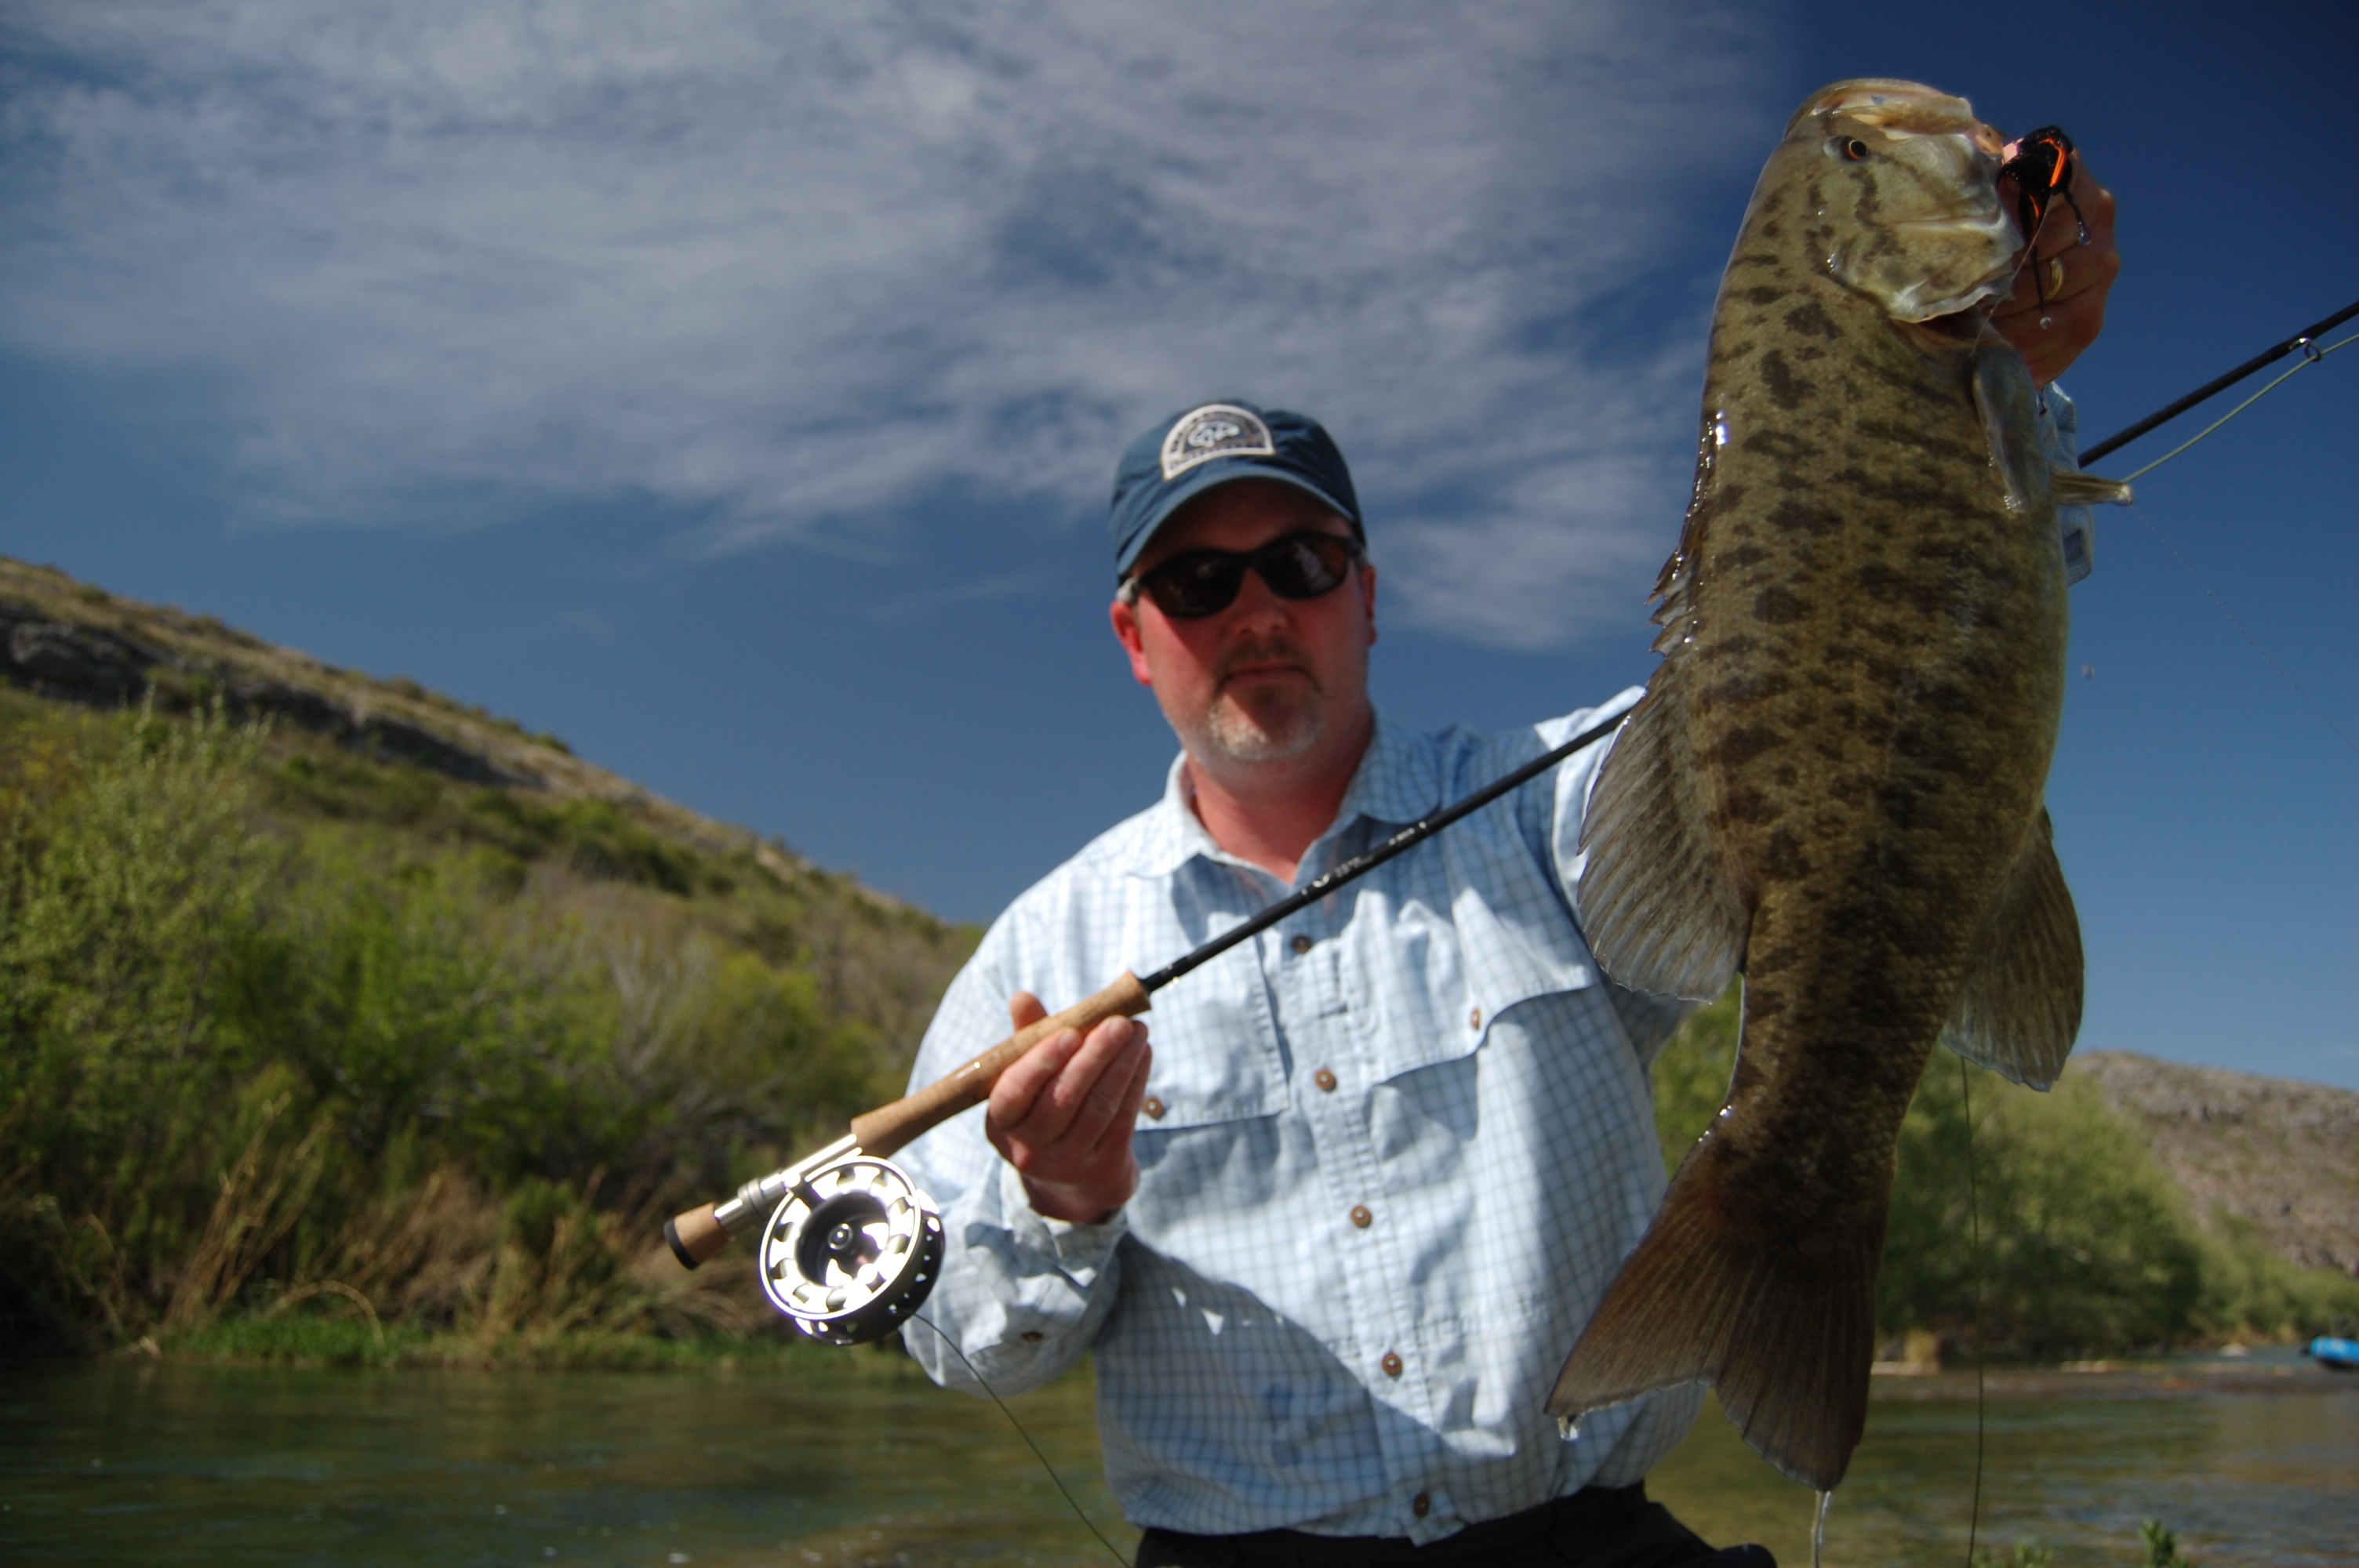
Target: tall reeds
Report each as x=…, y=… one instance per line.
x=285, y=1036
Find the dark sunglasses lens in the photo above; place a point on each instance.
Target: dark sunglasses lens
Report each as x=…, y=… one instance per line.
x=1189, y=587
x=1303, y=565
x=1205, y=582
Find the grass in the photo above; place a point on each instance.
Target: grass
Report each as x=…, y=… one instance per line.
x=285, y=1030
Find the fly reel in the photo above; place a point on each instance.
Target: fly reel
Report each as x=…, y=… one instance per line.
x=852, y=1250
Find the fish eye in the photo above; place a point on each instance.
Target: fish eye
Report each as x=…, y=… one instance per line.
x=1854, y=149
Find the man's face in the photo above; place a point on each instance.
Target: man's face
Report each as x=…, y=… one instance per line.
x=1268, y=679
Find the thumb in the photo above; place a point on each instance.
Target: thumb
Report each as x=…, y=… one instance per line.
x=1024, y=1010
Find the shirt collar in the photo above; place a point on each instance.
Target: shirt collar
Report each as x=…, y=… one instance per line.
x=1398, y=781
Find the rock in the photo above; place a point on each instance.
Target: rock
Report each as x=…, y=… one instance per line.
x=2278, y=1155
x=83, y=662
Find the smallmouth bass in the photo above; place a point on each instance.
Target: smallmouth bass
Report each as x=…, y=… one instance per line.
x=1835, y=781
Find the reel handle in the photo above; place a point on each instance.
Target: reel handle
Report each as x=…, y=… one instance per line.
x=702, y=1233
x=888, y=1127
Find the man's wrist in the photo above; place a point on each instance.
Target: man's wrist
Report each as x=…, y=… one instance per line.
x=1053, y=1200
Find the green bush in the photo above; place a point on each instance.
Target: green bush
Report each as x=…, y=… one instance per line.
x=2085, y=1244
x=276, y=1035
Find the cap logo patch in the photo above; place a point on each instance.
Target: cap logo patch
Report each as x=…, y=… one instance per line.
x=1215, y=430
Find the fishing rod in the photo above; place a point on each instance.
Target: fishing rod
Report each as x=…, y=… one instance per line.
x=2305, y=340
x=852, y=1245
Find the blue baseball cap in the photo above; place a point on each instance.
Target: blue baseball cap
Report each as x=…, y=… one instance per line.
x=1215, y=444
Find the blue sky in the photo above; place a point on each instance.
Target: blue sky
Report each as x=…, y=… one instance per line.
x=733, y=389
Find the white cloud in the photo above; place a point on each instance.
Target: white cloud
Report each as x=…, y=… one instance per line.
x=785, y=267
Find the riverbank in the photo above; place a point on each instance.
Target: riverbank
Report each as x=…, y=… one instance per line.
x=817, y=1458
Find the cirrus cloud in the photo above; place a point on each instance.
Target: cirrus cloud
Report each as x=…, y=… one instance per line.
x=781, y=269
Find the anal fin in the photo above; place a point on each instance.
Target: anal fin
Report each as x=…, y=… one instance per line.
x=2020, y=1009
x=1657, y=906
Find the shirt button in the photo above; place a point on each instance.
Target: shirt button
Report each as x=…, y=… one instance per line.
x=1421, y=1504
x=1361, y=1216
x=1324, y=1079
x=1392, y=1364
x=1474, y=1019
x=1152, y=1108
x=1302, y=944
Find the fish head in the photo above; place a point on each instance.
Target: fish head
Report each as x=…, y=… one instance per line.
x=1904, y=181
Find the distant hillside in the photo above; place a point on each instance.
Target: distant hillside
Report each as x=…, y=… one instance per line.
x=322, y=994
x=70, y=640
x=2280, y=1156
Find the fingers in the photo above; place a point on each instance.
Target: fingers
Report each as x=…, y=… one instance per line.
x=1064, y=1115
x=1025, y=1010
x=1060, y=1093
x=1114, y=1097
x=1016, y=1095
x=2057, y=306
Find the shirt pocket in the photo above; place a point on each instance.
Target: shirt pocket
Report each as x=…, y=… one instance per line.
x=1216, y=1049
x=1429, y=969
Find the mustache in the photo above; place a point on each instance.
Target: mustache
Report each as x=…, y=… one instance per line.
x=1262, y=651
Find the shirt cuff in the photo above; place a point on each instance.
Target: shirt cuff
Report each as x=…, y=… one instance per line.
x=1082, y=1252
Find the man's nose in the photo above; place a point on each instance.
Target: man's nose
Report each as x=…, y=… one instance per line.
x=1256, y=605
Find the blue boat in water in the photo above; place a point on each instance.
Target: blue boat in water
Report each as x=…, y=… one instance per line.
x=2337, y=1355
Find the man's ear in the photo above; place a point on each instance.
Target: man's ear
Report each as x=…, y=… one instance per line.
x=1369, y=595
x=1133, y=642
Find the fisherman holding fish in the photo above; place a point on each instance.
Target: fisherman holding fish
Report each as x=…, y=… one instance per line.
x=1331, y=1235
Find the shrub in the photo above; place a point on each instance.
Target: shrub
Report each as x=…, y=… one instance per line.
x=2085, y=1244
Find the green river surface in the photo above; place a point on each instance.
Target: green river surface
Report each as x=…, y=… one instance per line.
x=838, y=1460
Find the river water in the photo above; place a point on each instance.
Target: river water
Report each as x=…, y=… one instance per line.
x=830, y=1460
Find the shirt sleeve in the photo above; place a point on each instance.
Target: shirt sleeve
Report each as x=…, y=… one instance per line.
x=1020, y=1296
x=2060, y=438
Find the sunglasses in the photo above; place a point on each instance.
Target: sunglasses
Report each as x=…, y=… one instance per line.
x=1197, y=583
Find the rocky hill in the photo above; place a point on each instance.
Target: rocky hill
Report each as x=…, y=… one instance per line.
x=2279, y=1156
x=69, y=640
x=422, y=766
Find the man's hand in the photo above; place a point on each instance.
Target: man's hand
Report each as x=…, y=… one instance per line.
x=2077, y=278
x=1063, y=1114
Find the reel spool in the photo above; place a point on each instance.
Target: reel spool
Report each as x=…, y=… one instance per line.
x=852, y=1250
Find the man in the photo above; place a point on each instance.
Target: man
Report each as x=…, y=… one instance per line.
x=1330, y=1238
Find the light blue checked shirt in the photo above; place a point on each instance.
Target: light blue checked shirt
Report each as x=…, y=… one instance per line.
x=1392, y=1151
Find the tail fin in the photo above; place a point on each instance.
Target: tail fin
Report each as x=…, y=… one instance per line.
x=1786, y=1333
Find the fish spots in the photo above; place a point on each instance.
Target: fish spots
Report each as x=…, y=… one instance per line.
x=1928, y=439
x=1781, y=857
x=1740, y=557
x=1750, y=806
x=1777, y=607
x=1811, y=320
x=1785, y=389
x=1740, y=747
x=1880, y=584
x=1782, y=445
x=1764, y=293
x=1804, y=518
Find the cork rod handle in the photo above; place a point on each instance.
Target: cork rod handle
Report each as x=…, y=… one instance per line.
x=887, y=1127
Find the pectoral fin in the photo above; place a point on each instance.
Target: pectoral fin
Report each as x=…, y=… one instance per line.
x=1657, y=906
x=2071, y=487
x=2021, y=1005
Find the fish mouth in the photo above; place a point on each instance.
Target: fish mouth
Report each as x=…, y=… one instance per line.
x=1961, y=326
